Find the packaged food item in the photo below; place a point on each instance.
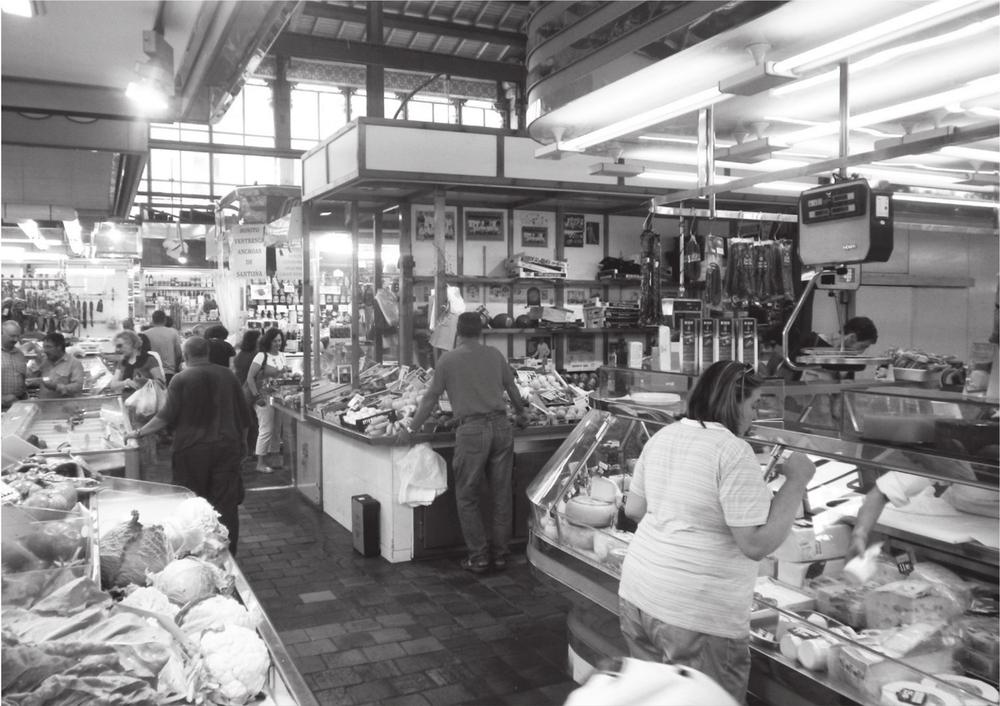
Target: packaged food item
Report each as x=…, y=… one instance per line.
x=840, y=600
x=881, y=657
x=805, y=543
x=980, y=633
x=908, y=693
x=796, y=573
x=983, y=693
x=910, y=601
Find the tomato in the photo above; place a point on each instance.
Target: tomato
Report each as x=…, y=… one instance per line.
x=56, y=541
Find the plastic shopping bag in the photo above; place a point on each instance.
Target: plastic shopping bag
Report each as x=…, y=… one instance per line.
x=635, y=682
x=148, y=399
x=423, y=476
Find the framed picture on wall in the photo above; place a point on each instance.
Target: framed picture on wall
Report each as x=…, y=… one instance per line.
x=573, y=230
x=485, y=224
x=534, y=237
x=593, y=233
x=423, y=222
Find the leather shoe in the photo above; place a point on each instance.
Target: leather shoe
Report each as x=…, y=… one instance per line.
x=476, y=567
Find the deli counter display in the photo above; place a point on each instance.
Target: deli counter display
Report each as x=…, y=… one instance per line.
x=816, y=636
x=92, y=428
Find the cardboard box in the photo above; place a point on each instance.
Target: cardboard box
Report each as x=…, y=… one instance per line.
x=747, y=344
x=726, y=339
x=689, y=346
x=804, y=544
x=708, y=344
x=796, y=573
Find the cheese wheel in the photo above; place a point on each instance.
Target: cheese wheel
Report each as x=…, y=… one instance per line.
x=585, y=510
x=603, y=489
x=814, y=654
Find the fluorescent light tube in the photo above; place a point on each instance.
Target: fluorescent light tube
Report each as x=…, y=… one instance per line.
x=681, y=106
x=883, y=57
x=973, y=89
x=20, y=8
x=875, y=35
x=971, y=153
x=30, y=228
x=920, y=198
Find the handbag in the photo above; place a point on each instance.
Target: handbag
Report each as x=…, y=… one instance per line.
x=148, y=399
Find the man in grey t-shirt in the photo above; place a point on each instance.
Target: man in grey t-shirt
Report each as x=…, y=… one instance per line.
x=475, y=377
x=166, y=342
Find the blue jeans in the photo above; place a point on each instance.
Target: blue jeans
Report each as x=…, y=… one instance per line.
x=724, y=659
x=484, y=450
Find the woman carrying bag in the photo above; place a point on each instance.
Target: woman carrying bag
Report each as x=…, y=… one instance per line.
x=268, y=364
x=138, y=367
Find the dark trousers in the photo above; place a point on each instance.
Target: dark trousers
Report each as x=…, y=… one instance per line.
x=212, y=471
x=484, y=450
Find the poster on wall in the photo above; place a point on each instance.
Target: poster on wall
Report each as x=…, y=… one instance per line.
x=593, y=233
x=532, y=295
x=423, y=222
x=485, y=224
x=288, y=262
x=497, y=293
x=248, y=256
x=573, y=226
x=534, y=237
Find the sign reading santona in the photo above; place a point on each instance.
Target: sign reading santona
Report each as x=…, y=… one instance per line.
x=247, y=254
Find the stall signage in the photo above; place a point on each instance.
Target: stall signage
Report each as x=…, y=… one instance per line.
x=288, y=262
x=248, y=258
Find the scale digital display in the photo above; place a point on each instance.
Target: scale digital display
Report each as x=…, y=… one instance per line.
x=838, y=202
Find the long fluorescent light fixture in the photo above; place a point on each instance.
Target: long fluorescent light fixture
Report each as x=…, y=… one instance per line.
x=681, y=106
x=971, y=153
x=20, y=8
x=920, y=198
x=974, y=89
x=878, y=34
x=888, y=55
x=915, y=137
x=74, y=236
x=30, y=228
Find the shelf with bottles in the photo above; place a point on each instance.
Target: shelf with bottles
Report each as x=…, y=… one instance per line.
x=181, y=280
x=271, y=292
x=479, y=279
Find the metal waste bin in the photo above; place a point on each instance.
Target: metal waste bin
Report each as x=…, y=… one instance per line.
x=364, y=525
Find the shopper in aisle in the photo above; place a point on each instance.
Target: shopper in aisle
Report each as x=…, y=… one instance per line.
x=15, y=365
x=166, y=342
x=269, y=363
x=706, y=518
x=241, y=366
x=206, y=409
x=475, y=376
x=220, y=351
x=58, y=373
x=136, y=366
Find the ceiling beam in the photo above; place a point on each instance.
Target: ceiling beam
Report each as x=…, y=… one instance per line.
x=961, y=135
x=302, y=46
x=418, y=24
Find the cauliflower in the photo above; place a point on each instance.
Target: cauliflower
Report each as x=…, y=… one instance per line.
x=237, y=662
x=194, y=528
x=214, y=613
x=184, y=580
x=150, y=599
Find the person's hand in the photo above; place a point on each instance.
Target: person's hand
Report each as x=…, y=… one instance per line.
x=130, y=384
x=260, y=401
x=521, y=420
x=859, y=542
x=797, y=468
x=404, y=436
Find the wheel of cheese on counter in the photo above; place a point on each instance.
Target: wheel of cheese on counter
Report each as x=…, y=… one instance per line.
x=907, y=693
x=604, y=490
x=586, y=510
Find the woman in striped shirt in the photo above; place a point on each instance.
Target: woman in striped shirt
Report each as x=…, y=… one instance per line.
x=706, y=518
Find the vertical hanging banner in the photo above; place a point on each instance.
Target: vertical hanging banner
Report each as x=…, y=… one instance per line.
x=247, y=258
x=288, y=252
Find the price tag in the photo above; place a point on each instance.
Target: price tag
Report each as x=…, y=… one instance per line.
x=904, y=562
x=911, y=696
x=356, y=402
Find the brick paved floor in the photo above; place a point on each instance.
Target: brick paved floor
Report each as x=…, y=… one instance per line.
x=368, y=631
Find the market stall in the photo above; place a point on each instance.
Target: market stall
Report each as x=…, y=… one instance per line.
x=579, y=537
x=135, y=584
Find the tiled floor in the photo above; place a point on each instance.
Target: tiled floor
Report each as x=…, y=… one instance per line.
x=368, y=631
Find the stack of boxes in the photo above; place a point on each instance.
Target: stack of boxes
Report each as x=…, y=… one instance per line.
x=530, y=266
x=702, y=341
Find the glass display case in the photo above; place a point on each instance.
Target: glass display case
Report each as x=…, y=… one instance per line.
x=92, y=428
x=579, y=536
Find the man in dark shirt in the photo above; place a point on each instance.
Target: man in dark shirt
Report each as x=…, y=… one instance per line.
x=220, y=351
x=475, y=377
x=209, y=414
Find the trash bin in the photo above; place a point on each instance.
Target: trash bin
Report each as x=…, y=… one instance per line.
x=364, y=525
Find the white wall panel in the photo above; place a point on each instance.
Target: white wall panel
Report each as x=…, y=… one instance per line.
x=405, y=149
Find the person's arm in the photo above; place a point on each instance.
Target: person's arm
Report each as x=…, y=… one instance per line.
x=151, y=427
x=156, y=373
x=514, y=394
x=117, y=384
x=252, y=379
x=424, y=410
x=178, y=353
x=756, y=542
x=871, y=508
x=75, y=384
x=635, y=506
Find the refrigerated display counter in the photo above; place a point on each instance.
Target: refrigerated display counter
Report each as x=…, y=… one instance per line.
x=579, y=535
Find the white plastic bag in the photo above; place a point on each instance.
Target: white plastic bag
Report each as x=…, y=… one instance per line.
x=148, y=399
x=423, y=476
x=637, y=683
